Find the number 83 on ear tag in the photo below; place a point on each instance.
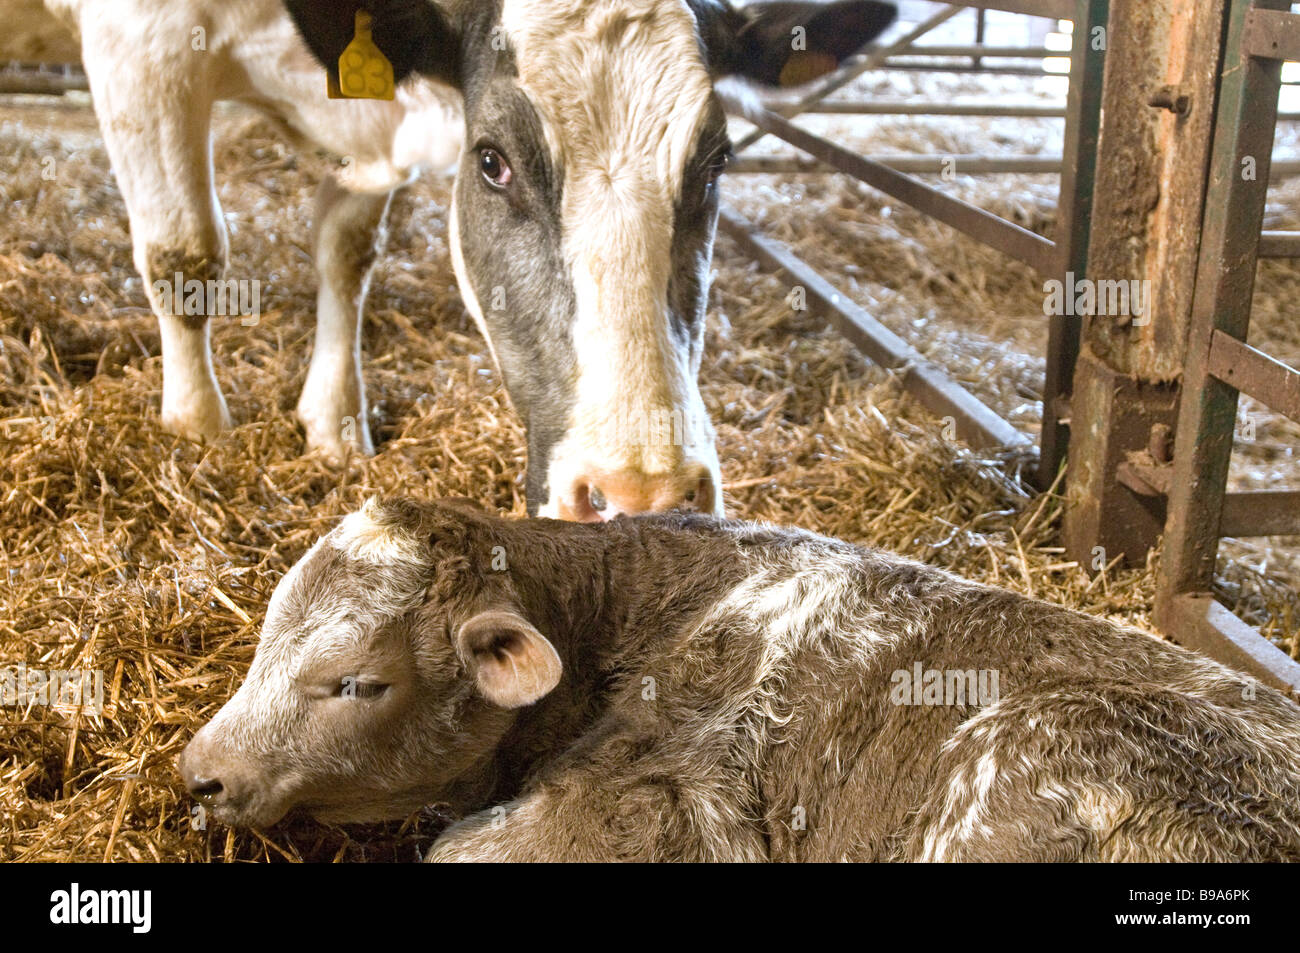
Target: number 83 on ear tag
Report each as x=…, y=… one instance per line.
x=364, y=71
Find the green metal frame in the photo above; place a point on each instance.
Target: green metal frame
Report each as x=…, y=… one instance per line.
x=1245, y=123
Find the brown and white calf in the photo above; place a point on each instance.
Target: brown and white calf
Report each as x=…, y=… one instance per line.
x=682, y=688
x=588, y=141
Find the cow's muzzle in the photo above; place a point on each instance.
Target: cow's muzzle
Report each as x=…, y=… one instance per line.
x=597, y=495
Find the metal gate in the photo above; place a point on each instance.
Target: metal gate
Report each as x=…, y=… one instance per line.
x=1220, y=363
x=1190, y=488
x=926, y=381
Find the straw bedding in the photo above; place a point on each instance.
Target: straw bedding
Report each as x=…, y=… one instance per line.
x=151, y=558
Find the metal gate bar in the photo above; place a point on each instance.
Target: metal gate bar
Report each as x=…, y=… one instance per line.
x=1255, y=373
x=1074, y=228
x=1198, y=621
x=916, y=165
x=844, y=107
x=1261, y=513
x=42, y=79
x=925, y=380
x=906, y=65
x=995, y=52
x=852, y=107
x=1052, y=9
x=1274, y=245
x=1008, y=237
x=1250, y=513
x=849, y=107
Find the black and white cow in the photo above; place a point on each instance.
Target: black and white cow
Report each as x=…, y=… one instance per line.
x=589, y=141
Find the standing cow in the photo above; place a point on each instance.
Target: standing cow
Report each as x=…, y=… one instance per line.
x=589, y=143
x=682, y=688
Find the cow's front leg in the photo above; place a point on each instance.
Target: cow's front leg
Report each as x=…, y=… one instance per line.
x=349, y=233
x=154, y=112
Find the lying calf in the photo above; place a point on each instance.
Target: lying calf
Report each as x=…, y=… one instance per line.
x=679, y=688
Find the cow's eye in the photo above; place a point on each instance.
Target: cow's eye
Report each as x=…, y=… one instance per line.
x=718, y=166
x=494, y=167
x=351, y=687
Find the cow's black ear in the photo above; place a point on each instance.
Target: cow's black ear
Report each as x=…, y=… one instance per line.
x=788, y=43
x=416, y=35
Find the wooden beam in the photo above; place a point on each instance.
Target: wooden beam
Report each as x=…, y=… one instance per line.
x=1152, y=170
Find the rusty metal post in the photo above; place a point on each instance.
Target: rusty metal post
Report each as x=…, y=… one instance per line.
x=1161, y=77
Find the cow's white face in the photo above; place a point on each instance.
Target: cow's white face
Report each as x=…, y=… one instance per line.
x=585, y=209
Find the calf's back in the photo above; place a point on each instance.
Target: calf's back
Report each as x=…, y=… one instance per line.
x=799, y=699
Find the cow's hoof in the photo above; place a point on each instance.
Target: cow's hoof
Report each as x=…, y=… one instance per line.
x=200, y=420
x=335, y=437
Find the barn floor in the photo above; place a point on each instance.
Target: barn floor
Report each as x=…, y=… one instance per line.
x=151, y=558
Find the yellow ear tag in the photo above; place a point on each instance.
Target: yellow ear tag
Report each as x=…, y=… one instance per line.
x=364, y=71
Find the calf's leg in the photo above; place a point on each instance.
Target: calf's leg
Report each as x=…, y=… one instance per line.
x=349, y=234
x=595, y=813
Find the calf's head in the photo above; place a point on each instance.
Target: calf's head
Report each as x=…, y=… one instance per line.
x=390, y=666
x=585, y=209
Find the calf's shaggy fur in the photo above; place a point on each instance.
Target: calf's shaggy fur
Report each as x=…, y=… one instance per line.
x=683, y=688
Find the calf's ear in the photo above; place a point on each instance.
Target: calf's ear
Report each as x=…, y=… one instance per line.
x=415, y=35
x=513, y=663
x=787, y=43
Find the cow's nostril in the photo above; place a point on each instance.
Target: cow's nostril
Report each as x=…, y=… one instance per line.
x=205, y=788
x=597, y=500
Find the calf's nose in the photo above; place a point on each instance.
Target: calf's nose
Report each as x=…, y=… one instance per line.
x=602, y=495
x=205, y=789
x=203, y=778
